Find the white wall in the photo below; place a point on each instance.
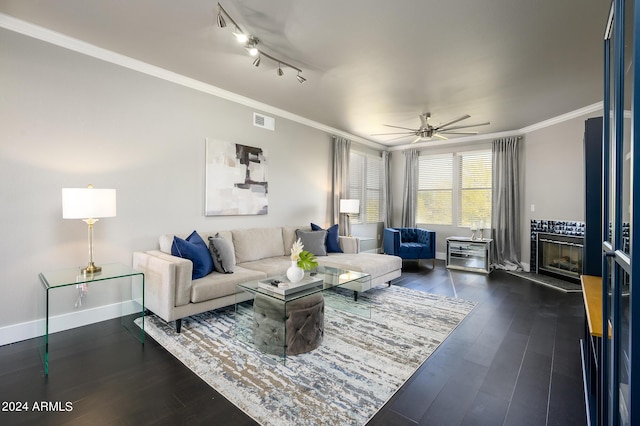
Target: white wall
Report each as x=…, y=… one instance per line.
x=69, y=120
x=554, y=175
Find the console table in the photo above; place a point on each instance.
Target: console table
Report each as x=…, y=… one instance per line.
x=87, y=297
x=467, y=254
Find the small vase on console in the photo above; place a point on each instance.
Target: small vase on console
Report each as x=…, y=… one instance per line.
x=295, y=273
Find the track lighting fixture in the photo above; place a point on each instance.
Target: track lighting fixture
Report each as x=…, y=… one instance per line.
x=251, y=44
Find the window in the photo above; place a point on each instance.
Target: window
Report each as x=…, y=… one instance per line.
x=475, y=188
x=455, y=188
x=365, y=184
x=435, y=189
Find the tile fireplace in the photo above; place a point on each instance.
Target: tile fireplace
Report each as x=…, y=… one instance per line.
x=557, y=249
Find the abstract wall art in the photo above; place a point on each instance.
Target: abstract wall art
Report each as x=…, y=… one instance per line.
x=236, y=179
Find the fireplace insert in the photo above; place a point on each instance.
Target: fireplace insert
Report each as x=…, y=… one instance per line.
x=560, y=256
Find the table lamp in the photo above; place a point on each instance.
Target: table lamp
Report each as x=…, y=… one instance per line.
x=88, y=204
x=349, y=206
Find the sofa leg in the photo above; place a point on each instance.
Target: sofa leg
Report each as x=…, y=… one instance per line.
x=355, y=296
x=433, y=263
x=178, y=325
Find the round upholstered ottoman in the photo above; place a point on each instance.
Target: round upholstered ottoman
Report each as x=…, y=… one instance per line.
x=298, y=330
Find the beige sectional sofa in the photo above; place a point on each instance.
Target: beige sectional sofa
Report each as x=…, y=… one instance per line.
x=258, y=253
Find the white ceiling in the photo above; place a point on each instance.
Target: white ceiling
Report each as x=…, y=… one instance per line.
x=367, y=62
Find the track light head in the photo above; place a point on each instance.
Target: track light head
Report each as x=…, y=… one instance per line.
x=256, y=62
x=280, y=72
x=300, y=78
x=220, y=19
x=252, y=46
x=240, y=36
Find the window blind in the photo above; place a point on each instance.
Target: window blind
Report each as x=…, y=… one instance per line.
x=435, y=189
x=475, y=174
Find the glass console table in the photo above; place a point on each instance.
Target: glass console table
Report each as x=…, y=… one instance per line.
x=72, y=298
x=257, y=304
x=466, y=254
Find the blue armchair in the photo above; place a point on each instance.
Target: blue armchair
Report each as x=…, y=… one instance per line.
x=410, y=243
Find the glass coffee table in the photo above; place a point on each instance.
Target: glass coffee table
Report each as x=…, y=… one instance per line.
x=282, y=322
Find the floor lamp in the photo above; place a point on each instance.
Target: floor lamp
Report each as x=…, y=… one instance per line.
x=88, y=204
x=349, y=206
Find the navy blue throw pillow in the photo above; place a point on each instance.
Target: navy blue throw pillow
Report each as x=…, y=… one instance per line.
x=194, y=249
x=333, y=243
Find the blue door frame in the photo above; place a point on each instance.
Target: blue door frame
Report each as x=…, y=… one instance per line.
x=620, y=403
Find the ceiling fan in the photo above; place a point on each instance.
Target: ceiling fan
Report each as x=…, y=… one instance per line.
x=427, y=131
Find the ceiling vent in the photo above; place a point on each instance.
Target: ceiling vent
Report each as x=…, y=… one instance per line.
x=263, y=121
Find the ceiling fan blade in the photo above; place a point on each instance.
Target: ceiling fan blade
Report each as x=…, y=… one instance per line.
x=458, y=133
x=417, y=139
x=439, y=136
x=464, y=117
x=398, y=127
x=395, y=139
x=465, y=126
x=397, y=133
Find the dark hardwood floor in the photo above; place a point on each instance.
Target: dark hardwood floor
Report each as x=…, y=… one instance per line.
x=514, y=360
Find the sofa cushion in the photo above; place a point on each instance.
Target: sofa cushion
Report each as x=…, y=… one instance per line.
x=216, y=285
x=333, y=243
x=222, y=254
x=289, y=236
x=196, y=250
x=257, y=243
x=314, y=241
x=370, y=263
x=271, y=266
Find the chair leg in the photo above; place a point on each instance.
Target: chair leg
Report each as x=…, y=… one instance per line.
x=433, y=263
x=178, y=325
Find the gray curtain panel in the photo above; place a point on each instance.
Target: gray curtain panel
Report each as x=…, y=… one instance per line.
x=410, y=197
x=505, y=203
x=386, y=189
x=340, y=184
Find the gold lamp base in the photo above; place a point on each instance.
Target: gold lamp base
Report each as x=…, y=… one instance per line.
x=91, y=269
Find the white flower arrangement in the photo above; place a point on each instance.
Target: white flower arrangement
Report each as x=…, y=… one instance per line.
x=296, y=249
x=304, y=259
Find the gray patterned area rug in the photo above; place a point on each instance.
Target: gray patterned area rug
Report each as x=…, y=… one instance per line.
x=361, y=363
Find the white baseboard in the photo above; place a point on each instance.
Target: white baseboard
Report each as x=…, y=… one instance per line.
x=29, y=330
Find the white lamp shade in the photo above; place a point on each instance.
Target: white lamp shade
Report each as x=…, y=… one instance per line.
x=349, y=206
x=88, y=203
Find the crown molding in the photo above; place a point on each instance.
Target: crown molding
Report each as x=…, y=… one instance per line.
x=79, y=46
x=564, y=117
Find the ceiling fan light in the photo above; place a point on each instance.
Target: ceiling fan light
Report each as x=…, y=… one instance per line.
x=300, y=78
